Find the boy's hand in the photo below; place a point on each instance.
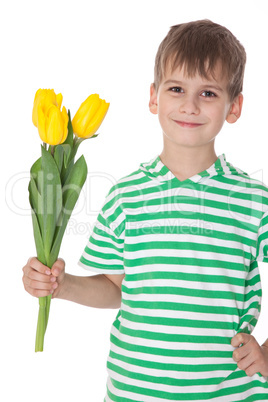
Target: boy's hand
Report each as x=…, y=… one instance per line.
x=250, y=357
x=39, y=280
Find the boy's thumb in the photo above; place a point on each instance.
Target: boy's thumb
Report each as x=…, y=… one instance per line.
x=58, y=267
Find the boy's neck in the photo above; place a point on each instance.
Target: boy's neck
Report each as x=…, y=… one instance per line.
x=185, y=162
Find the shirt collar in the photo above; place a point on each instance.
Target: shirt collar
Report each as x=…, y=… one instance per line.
x=157, y=170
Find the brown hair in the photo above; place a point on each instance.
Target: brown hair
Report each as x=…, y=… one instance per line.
x=199, y=46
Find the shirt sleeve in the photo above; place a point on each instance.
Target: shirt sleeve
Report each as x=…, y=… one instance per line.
x=103, y=253
x=262, y=239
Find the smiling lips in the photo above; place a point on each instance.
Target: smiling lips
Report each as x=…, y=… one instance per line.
x=187, y=124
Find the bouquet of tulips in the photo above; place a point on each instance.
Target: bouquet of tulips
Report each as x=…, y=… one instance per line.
x=56, y=179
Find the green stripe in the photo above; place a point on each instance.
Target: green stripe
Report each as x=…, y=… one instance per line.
x=191, y=200
x=217, y=294
x=150, y=350
x=195, y=308
x=196, y=396
x=187, y=245
x=94, y=264
x=167, y=380
x=202, y=217
x=135, y=232
x=186, y=276
x=171, y=367
x=171, y=352
x=184, y=261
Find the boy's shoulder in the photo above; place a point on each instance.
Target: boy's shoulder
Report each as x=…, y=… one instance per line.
x=137, y=178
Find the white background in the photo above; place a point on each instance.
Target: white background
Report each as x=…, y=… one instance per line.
x=79, y=48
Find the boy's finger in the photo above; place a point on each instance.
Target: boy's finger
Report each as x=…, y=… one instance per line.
x=37, y=276
x=36, y=285
x=34, y=263
x=240, y=338
x=241, y=353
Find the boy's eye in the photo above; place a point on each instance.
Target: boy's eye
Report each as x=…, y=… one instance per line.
x=176, y=89
x=208, y=94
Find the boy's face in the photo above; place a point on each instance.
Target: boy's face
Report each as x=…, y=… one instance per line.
x=192, y=111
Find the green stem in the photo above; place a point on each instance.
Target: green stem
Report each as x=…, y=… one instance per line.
x=43, y=315
x=47, y=310
x=41, y=325
x=76, y=142
x=52, y=150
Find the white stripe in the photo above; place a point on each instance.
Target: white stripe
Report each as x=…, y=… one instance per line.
x=177, y=374
x=186, y=253
x=190, y=269
x=186, y=237
x=179, y=314
x=204, y=301
x=172, y=345
x=173, y=283
x=173, y=359
x=182, y=390
x=101, y=271
x=193, y=224
x=103, y=250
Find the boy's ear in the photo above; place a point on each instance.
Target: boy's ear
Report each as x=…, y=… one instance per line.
x=235, y=109
x=153, y=100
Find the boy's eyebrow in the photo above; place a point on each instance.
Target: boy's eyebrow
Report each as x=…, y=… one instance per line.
x=210, y=85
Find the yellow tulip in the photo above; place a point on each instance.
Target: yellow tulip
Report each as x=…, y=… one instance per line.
x=52, y=123
x=89, y=116
x=46, y=97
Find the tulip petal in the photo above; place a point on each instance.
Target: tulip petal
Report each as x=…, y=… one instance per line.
x=65, y=120
x=35, y=105
x=85, y=113
x=54, y=126
x=41, y=123
x=97, y=119
x=46, y=97
x=59, y=98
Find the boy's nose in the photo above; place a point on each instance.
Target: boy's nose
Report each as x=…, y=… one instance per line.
x=189, y=105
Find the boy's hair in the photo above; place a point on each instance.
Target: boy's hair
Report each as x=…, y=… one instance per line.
x=199, y=46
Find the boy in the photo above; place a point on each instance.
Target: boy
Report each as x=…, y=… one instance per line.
x=177, y=242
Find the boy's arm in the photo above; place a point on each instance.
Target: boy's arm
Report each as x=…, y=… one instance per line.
x=101, y=291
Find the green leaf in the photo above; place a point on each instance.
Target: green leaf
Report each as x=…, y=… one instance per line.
x=71, y=192
x=69, y=139
x=58, y=156
x=36, y=203
x=67, y=152
x=35, y=173
x=51, y=193
x=38, y=239
x=75, y=179
x=68, y=147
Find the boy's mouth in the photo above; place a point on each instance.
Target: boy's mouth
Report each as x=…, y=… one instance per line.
x=187, y=124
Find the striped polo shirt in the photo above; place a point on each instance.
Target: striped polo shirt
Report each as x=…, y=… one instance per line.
x=189, y=252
